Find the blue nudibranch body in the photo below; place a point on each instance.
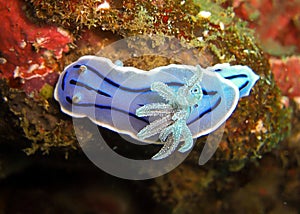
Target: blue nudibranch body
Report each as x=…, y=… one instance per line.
x=174, y=103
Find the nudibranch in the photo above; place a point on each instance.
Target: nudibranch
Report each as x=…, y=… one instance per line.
x=173, y=103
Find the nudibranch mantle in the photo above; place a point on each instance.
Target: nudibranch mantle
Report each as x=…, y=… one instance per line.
x=116, y=97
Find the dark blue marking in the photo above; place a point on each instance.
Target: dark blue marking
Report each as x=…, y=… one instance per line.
x=63, y=83
x=136, y=90
x=209, y=92
x=218, y=70
x=207, y=111
x=244, y=85
x=236, y=76
x=80, y=84
x=114, y=83
x=142, y=89
x=69, y=100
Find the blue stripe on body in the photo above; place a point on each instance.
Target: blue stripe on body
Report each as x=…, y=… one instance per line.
x=63, y=82
x=80, y=84
x=210, y=109
x=136, y=90
x=69, y=100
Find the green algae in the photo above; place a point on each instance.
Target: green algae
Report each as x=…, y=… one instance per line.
x=218, y=13
x=39, y=124
x=46, y=92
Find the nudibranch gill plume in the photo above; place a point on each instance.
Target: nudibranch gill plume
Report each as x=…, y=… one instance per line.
x=173, y=103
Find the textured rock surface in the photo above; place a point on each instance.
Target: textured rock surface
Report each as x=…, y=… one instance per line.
x=221, y=38
x=31, y=120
